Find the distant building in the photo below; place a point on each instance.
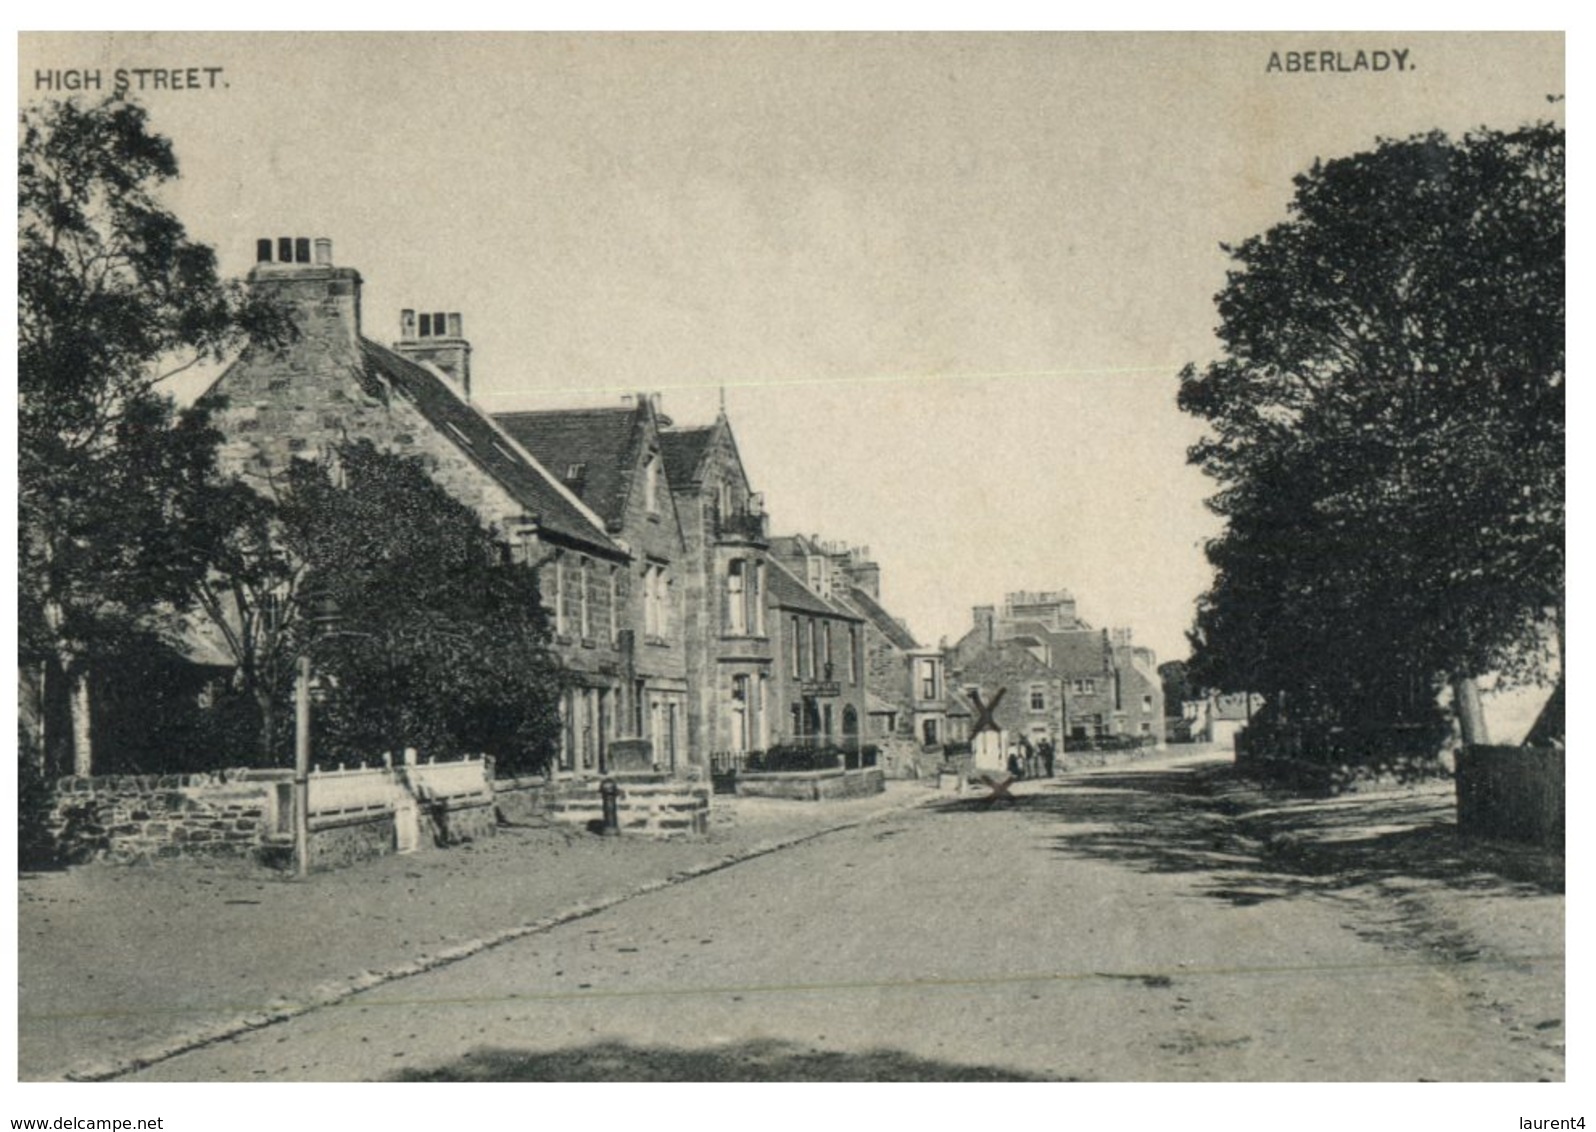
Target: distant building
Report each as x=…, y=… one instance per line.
x=1111, y=686
x=913, y=710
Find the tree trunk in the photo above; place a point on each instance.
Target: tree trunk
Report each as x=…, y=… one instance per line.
x=82, y=724
x=1470, y=714
x=268, y=722
x=31, y=711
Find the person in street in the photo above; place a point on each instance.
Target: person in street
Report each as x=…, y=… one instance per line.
x=1045, y=749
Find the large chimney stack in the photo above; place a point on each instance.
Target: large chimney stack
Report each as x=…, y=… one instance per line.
x=437, y=338
x=323, y=300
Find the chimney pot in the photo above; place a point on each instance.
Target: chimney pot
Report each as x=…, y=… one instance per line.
x=454, y=325
x=426, y=325
x=302, y=250
x=324, y=251
x=407, y=323
x=285, y=249
x=437, y=324
x=263, y=250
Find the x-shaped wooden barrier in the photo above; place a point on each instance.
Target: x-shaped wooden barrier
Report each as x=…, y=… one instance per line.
x=1000, y=790
x=984, y=720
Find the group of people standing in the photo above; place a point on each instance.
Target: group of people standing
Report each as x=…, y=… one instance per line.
x=1032, y=760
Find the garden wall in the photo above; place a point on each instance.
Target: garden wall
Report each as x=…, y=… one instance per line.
x=354, y=814
x=653, y=805
x=812, y=785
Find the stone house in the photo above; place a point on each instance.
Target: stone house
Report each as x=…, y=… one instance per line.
x=612, y=460
x=334, y=384
x=1034, y=696
x=913, y=710
x=817, y=686
x=1111, y=686
x=728, y=626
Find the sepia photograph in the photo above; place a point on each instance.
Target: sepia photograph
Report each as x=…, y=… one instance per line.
x=790, y=557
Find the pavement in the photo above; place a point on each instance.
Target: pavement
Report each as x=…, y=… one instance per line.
x=124, y=967
x=121, y=966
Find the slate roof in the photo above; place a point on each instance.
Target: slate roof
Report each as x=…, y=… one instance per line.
x=682, y=449
x=1074, y=652
x=880, y=618
x=474, y=434
x=790, y=593
x=601, y=441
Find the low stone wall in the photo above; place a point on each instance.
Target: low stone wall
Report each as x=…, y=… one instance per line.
x=523, y=800
x=141, y=817
x=347, y=839
x=1513, y=793
x=653, y=805
x=354, y=814
x=813, y=785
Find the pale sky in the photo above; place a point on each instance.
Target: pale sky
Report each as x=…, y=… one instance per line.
x=946, y=281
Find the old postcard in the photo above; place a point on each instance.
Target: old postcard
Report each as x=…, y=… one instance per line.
x=790, y=557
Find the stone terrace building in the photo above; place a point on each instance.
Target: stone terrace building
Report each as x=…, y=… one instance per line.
x=914, y=709
x=612, y=460
x=728, y=624
x=817, y=682
x=334, y=384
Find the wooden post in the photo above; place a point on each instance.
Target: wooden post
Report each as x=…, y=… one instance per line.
x=302, y=768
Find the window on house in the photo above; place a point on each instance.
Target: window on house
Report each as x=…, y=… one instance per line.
x=825, y=640
x=756, y=597
x=928, y=679
x=1085, y=687
x=664, y=602
x=797, y=649
x=736, y=609
x=615, y=605
x=584, y=603
x=853, y=654
x=1038, y=697
x=740, y=706
x=762, y=712
x=560, y=610
x=655, y=622
x=651, y=483
x=1147, y=705
x=814, y=649
x=1147, y=728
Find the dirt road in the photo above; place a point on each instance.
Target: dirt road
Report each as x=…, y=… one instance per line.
x=1125, y=925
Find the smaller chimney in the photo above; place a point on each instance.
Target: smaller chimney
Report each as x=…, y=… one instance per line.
x=439, y=341
x=985, y=616
x=323, y=252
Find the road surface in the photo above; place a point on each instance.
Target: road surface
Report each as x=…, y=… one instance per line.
x=1109, y=926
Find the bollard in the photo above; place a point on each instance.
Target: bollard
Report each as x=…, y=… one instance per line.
x=610, y=794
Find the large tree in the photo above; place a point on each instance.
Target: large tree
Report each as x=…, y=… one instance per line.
x=422, y=632
x=113, y=297
x=1387, y=430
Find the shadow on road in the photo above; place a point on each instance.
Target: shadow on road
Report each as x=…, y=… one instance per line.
x=1256, y=847
x=749, y=1061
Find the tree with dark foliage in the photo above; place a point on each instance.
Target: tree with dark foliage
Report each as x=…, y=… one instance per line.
x=1387, y=432
x=113, y=298
x=423, y=633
